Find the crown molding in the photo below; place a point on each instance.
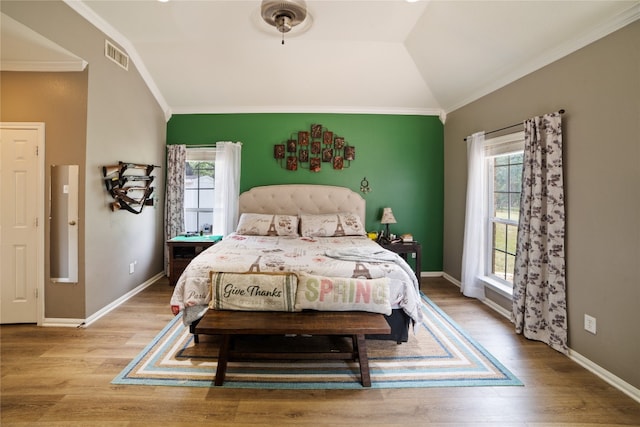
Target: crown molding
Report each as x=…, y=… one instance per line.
x=44, y=66
x=310, y=109
x=88, y=14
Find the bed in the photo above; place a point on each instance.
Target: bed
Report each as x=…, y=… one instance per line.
x=311, y=236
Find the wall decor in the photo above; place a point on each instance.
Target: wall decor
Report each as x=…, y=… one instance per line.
x=316, y=131
x=315, y=147
x=349, y=153
x=364, y=185
x=309, y=149
x=327, y=155
x=314, y=164
x=303, y=138
x=292, y=163
x=328, y=137
x=278, y=151
x=130, y=185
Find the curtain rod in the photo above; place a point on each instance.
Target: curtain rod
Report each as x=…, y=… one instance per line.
x=214, y=145
x=510, y=126
x=195, y=145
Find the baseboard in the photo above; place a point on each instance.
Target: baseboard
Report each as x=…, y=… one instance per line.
x=486, y=301
x=98, y=314
x=497, y=308
x=431, y=274
x=599, y=371
x=452, y=279
x=78, y=323
x=62, y=322
x=607, y=376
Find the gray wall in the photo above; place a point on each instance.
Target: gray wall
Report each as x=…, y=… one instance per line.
x=599, y=86
x=123, y=122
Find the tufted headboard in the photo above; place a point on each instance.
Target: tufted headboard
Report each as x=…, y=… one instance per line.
x=292, y=199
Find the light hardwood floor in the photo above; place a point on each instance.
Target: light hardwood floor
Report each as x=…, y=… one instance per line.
x=61, y=377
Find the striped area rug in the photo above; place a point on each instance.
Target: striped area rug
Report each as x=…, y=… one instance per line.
x=438, y=354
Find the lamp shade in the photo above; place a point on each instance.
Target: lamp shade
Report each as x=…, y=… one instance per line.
x=387, y=216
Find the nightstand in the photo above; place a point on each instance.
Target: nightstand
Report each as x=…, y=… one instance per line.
x=404, y=248
x=182, y=249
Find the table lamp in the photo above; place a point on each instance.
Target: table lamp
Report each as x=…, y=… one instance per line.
x=387, y=218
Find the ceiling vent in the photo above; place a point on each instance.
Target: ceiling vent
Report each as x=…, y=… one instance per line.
x=116, y=55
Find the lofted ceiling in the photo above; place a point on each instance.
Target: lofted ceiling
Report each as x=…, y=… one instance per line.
x=366, y=56
x=23, y=49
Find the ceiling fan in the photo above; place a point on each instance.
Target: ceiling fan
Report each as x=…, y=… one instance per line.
x=283, y=14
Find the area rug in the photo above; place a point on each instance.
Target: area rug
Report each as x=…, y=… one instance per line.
x=438, y=354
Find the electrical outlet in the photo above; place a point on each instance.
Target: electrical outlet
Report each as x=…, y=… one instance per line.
x=413, y=254
x=590, y=324
x=132, y=267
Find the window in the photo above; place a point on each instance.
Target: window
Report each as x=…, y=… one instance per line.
x=504, y=157
x=199, y=188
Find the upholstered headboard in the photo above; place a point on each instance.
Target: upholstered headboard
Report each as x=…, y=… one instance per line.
x=292, y=199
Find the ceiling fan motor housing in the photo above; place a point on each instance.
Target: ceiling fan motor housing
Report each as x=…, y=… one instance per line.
x=284, y=14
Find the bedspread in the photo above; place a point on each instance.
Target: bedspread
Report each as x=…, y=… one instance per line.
x=348, y=256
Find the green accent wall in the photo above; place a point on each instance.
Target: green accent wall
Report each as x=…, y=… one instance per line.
x=401, y=156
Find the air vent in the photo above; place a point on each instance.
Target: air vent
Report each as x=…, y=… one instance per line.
x=116, y=55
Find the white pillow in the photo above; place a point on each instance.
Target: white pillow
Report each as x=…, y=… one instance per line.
x=330, y=225
x=343, y=294
x=253, y=224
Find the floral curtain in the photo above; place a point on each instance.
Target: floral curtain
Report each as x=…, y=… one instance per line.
x=227, y=179
x=539, y=290
x=474, y=246
x=174, y=197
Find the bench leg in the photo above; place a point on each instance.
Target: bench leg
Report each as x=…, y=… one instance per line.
x=360, y=347
x=192, y=329
x=223, y=358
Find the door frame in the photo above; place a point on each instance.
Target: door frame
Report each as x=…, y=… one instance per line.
x=40, y=209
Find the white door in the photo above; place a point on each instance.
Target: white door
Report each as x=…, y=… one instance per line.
x=21, y=222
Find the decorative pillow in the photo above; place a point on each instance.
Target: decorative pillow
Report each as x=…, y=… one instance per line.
x=343, y=294
x=330, y=225
x=253, y=291
x=267, y=225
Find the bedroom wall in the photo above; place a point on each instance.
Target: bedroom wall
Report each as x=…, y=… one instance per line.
x=599, y=86
x=123, y=122
x=28, y=97
x=401, y=157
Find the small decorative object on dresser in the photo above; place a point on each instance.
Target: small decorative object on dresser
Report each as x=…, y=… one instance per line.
x=406, y=237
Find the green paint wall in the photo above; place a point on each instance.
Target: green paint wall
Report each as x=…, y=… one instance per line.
x=402, y=157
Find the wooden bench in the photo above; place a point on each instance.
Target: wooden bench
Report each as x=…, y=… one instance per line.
x=229, y=324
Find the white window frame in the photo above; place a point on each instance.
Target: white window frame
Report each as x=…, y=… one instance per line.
x=207, y=154
x=503, y=145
